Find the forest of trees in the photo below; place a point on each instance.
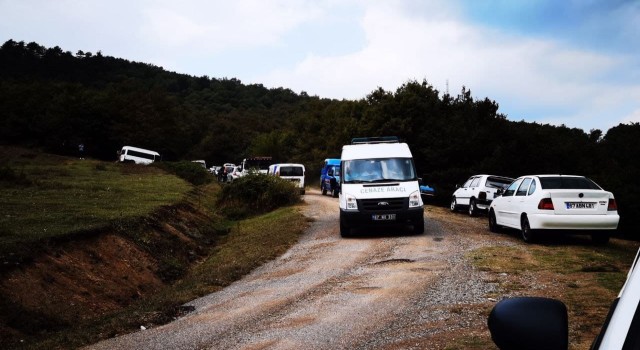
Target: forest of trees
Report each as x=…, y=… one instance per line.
x=54, y=100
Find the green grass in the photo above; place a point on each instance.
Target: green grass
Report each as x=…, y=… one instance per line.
x=46, y=196
x=247, y=245
x=586, y=278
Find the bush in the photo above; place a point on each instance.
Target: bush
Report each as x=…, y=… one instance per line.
x=190, y=171
x=10, y=177
x=256, y=194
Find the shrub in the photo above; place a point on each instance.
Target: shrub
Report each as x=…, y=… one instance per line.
x=10, y=177
x=190, y=171
x=256, y=194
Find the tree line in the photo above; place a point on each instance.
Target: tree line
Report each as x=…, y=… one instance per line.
x=55, y=100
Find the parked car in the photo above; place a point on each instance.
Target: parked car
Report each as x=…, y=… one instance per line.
x=289, y=171
x=478, y=192
x=330, y=177
x=202, y=163
x=542, y=323
x=427, y=191
x=570, y=203
x=129, y=154
x=234, y=173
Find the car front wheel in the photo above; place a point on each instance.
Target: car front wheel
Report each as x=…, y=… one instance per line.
x=528, y=235
x=454, y=206
x=473, y=210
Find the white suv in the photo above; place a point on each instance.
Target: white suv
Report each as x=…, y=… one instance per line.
x=478, y=192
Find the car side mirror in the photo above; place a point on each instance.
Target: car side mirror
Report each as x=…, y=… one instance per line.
x=529, y=323
x=330, y=173
x=499, y=192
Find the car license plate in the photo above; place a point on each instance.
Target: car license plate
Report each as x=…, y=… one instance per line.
x=383, y=217
x=580, y=205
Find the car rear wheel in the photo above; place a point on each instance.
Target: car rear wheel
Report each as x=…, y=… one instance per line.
x=335, y=193
x=454, y=205
x=528, y=235
x=493, y=224
x=324, y=191
x=473, y=210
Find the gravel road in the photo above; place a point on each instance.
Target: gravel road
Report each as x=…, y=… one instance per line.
x=383, y=289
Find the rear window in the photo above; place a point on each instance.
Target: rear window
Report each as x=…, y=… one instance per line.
x=291, y=171
x=498, y=182
x=567, y=183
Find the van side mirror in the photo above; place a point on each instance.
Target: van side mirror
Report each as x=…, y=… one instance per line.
x=529, y=323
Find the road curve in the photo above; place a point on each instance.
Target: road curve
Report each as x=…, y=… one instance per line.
x=383, y=289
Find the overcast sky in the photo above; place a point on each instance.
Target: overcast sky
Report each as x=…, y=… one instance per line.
x=572, y=62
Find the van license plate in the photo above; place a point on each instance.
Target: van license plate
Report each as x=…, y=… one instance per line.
x=383, y=217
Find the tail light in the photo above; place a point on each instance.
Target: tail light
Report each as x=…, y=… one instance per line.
x=545, y=204
x=613, y=206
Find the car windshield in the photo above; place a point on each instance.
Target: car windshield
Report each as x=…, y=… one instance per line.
x=567, y=183
x=498, y=182
x=379, y=170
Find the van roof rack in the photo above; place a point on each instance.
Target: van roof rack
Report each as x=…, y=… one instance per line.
x=377, y=139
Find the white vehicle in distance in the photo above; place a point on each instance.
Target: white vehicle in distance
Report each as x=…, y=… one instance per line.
x=378, y=185
x=137, y=155
x=542, y=323
x=234, y=174
x=478, y=192
x=289, y=171
x=255, y=164
x=573, y=204
x=201, y=162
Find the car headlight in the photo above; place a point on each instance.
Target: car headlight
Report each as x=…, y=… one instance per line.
x=415, y=200
x=352, y=203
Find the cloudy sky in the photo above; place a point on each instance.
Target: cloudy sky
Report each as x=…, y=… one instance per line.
x=572, y=62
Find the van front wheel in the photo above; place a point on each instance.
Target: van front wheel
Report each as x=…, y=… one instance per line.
x=418, y=227
x=345, y=231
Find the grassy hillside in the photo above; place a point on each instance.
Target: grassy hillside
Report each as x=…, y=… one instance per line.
x=49, y=197
x=92, y=249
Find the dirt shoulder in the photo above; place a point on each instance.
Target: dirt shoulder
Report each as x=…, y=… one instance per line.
x=384, y=289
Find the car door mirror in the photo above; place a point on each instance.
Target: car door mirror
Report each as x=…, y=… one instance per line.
x=330, y=173
x=529, y=323
x=499, y=192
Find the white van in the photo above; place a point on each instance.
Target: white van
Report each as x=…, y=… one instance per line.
x=138, y=155
x=289, y=171
x=379, y=185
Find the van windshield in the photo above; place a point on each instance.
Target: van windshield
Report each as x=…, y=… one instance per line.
x=379, y=170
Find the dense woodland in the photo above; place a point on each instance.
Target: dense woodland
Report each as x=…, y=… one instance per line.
x=53, y=100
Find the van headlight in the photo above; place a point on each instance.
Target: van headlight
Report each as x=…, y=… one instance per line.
x=352, y=203
x=414, y=200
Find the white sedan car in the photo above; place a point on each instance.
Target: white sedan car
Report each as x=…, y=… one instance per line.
x=555, y=202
